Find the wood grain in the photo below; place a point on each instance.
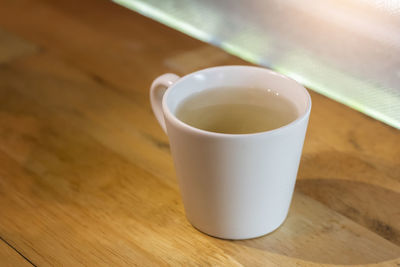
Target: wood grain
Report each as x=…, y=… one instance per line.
x=9, y=257
x=12, y=47
x=86, y=176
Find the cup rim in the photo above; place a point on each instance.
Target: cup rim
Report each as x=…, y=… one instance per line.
x=174, y=120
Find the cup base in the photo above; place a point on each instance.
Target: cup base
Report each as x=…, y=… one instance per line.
x=240, y=237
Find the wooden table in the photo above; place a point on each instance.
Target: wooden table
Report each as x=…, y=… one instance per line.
x=86, y=175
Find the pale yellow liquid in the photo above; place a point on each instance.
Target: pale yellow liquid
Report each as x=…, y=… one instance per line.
x=236, y=110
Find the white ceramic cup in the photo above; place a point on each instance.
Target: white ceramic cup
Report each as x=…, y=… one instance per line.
x=234, y=186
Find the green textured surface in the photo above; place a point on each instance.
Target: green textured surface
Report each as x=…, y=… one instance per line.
x=370, y=89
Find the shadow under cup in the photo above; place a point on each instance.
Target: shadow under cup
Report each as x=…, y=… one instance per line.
x=236, y=186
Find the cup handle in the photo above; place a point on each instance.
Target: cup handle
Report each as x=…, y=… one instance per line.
x=157, y=91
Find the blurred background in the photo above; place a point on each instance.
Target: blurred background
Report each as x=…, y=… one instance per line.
x=348, y=50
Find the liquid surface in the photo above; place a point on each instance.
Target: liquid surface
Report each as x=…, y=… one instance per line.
x=236, y=110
